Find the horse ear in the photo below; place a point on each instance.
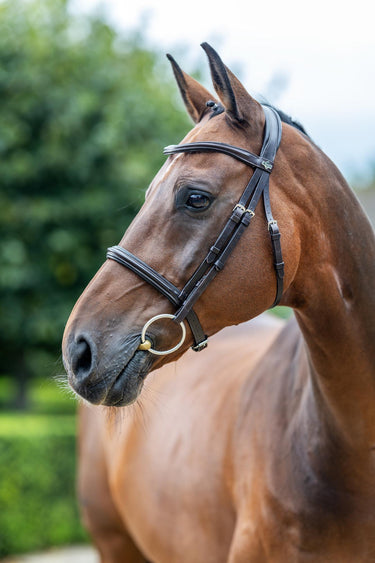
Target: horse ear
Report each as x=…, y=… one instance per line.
x=194, y=94
x=235, y=98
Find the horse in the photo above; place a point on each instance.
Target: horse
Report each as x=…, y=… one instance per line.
x=261, y=447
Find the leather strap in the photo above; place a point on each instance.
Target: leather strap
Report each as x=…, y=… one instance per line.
x=236, y=152
x=144, y=271
x=275, y=235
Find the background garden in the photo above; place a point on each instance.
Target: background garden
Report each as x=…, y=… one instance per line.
x=84, y=114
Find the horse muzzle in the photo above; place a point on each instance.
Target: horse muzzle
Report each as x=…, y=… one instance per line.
x=112, y=378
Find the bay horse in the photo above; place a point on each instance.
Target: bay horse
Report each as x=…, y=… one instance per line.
x=261, y=447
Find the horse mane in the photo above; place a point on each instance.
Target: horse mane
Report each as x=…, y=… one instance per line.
x=287, y=119
x=217, y=108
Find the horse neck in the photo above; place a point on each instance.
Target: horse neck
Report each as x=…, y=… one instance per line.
x=334, y=301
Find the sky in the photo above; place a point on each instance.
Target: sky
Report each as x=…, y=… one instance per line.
x=314, y=60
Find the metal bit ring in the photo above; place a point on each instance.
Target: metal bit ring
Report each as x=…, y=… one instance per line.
x=146, y=344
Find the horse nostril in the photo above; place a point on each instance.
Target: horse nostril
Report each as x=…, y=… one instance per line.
x=82, y=354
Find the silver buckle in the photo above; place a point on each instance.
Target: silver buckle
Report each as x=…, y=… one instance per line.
x=200, y=346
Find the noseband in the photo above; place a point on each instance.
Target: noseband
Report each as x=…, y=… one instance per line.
x=219, y=253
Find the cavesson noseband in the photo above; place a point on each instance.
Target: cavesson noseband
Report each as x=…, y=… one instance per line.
x=219, y=253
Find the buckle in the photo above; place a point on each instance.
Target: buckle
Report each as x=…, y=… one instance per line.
x=273, y=228
x=244, y=209
x=200, y=346
x=267, y=165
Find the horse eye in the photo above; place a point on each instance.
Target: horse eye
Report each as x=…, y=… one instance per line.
x=198, y=201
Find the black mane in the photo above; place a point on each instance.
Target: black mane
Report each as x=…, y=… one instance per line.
x=217, y=108
x=287, y=119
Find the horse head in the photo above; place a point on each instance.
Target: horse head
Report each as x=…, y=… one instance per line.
x=186, y=207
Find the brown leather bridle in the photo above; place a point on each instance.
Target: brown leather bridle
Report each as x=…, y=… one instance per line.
x=220, y=251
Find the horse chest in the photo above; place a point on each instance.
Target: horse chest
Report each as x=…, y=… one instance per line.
x=274, y=533
x=285, y=524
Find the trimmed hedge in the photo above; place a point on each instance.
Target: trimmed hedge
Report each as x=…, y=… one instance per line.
x=37, y=483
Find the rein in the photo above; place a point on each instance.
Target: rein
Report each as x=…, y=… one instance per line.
x=216, y=258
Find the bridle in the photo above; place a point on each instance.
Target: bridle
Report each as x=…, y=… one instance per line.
x=219, y=253
x=216, y=258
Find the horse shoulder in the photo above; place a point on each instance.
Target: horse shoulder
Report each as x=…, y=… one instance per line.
x=182, y=427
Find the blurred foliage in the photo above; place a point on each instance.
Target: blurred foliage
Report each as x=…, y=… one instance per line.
x=281, y=312
x=38, y=507
x=37, y=483
x=46, y=396
x=84, y=115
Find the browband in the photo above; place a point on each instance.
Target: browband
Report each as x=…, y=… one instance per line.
x=210, y=146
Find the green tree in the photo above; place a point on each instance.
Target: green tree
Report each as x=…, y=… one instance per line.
x=84, y=114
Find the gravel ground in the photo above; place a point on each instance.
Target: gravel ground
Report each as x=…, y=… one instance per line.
x=78, y=554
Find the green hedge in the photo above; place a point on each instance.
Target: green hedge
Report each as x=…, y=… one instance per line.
x=37, y=483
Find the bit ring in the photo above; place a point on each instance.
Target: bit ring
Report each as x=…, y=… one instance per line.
x=144, y=340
